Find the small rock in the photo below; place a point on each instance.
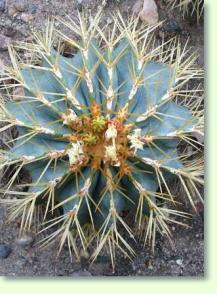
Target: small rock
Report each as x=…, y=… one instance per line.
x=2, y=65
x=103, y=259
x=133, y=267
x=179, y=261
x=109, y=20
x=29, y=38
x=24, y=240
x=18, y=93
x=5, y=251
x=12, y=11
x=81, y=273
x=2, y=5
x=147, y=11
x=199, y=206
x=4, y=42
x=7, y=23
x=104, y=3
x=199, y=137
x=137, y=7
x=34, y=8
x=20, y=5
x=10, y=32
x=139, y=272
x=79, y=5
x=26, y=17
x=189, y=150
x=84, y=254
x=171, y=28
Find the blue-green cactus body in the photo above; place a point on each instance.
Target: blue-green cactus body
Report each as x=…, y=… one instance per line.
x=133, y=152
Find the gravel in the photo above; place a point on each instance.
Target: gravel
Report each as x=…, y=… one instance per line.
x=4, y=42
x=2, y=5
x=24, y=240
x=20, y=5
x=5, y=251
x=81, y=273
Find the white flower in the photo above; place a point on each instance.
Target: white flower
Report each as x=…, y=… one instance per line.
x=57, y=72
x=41, y=97
x=44, y=130
x=110, y=152
x=152, y=162
x=69, y=118
x=139, y=187
x=133, y=91
x=111, y=133
x=75, y=153
x=28, y=157
x=110, y=92
x=56, y=153
x=85, y=52
x=72, y=98
x=69, y=94
x=150, y=112
x=84, y=190
x=140, y=64
x=19, y=123
x=110, y=73
x=110, y=96
x=54, y=182
x=89, y=81
x=135, y=139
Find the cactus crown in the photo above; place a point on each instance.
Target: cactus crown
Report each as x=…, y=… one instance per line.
x=98, y=133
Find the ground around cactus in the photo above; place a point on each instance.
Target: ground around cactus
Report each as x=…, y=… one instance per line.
x=186, y=257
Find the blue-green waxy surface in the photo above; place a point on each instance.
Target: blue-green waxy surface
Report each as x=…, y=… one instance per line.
x=156, y=81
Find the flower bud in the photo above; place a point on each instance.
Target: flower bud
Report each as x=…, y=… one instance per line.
x=111, y=133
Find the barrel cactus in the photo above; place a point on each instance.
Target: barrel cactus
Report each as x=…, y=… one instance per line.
x=98, y=132
x=189, y=7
